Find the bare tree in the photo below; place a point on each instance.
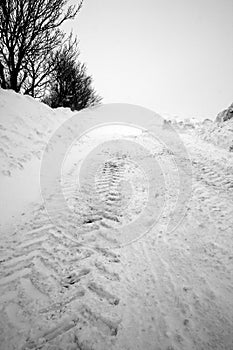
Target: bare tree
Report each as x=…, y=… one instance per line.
x=29, y=32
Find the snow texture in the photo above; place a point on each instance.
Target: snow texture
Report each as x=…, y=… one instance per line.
x=66, y=286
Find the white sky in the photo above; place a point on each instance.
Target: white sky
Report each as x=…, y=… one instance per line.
x=172, y=56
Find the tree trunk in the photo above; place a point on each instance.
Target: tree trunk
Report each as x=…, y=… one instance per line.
x=2, y=76
x=14, y=81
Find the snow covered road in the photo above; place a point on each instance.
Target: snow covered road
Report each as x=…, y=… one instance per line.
x=72, y=289
x=74, y=276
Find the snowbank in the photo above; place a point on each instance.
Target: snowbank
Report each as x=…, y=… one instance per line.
x=218, y=132
x=25, y=127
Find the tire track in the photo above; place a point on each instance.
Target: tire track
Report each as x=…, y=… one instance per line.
x=54, y=272
x=64, y=287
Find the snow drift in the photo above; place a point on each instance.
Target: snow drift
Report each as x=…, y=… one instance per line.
x=67, y=287
x=25, y=127
x=218, y=132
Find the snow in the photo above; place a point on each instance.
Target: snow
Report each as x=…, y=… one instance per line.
x=139, y=254
x=220, y=134
x=25, y=128
x=217, y=133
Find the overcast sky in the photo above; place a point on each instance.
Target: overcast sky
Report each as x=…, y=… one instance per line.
x=172, y=56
